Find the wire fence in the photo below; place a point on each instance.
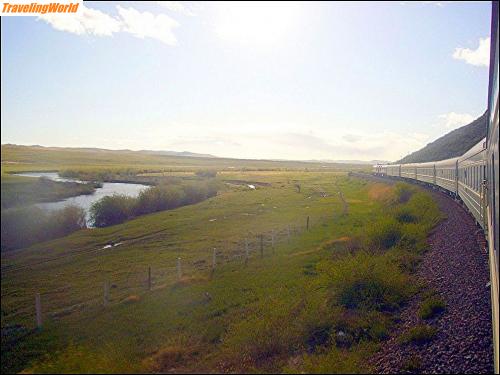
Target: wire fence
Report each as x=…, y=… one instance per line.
x=109, y=287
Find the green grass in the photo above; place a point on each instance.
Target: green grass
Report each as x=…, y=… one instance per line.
x=370, y=282
x=412, y=364
x=36, y=158
x=431, y=306
x=420, y=334
x=301, y=308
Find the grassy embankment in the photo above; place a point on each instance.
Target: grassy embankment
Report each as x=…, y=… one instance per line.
x=320, y=303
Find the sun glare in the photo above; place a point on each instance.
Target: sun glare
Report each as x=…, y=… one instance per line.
x=256, y=22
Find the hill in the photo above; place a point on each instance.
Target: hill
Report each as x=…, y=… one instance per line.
x=451, y=145
x=17, y=158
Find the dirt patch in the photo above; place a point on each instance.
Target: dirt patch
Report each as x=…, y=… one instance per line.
x=380, y=192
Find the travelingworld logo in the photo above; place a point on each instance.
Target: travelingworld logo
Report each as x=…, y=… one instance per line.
x=36, y=8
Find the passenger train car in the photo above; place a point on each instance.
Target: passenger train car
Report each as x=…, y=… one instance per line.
x=473, y=178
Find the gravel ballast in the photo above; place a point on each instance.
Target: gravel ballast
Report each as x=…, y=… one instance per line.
x=456, y=267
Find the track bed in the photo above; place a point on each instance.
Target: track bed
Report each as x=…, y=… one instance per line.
x=456, y=266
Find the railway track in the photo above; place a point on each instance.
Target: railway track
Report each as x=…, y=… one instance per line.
x=456, y=266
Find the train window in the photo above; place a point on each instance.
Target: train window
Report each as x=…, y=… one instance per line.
x=476, y=177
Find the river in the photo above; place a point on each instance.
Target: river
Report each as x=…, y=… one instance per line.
x=85, y=201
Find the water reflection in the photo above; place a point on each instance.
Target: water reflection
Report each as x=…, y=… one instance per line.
x=85, y=201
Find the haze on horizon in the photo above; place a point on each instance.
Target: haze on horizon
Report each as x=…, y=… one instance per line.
x=295, y=81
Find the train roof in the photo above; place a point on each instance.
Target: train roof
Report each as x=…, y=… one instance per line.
x=451, y=161
x=477, y=148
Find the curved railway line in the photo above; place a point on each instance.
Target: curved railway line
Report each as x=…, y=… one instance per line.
x=472, y=178
x=463, y=343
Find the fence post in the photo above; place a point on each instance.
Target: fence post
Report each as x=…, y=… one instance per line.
x=106, y=293
x=246, y=250
x=307, y=226
x=179, y=268
x=288, y=233
x=262, y=246
x=214, y=258
x=149, y=278
x=38, y=309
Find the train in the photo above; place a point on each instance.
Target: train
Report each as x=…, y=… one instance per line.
x=473, y=178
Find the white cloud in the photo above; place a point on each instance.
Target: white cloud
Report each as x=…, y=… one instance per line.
x=86, y=21
x=477, y=57
x=453, y=120
x=176, y=6
x=146, y=24
x=94, y=22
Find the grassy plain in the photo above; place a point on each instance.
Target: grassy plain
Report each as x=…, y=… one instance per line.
x=319, y=302
x=36, y=158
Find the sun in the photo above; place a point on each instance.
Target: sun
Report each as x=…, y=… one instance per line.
x=256, y=22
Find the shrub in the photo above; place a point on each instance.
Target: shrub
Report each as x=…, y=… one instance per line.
x=335, y=361
x=111, y=210
x=383, y=234
x=22, y=227
x=431, y=306
x=413, y=364
x=354, y=327
x=116, y=209
x=403, y=192
x=261, y=337
x=281, y=327
x=159, y=198
x=372, y=282
x=67, y=220
x=405, y=215
x=419, y=334
x=195, y=193
x=207, y=173
x=423, y=207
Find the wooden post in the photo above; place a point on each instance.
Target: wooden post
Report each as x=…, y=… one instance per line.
x=38, y=309
x=149, y=278
x=246, y=250
x=307, y=226
x=262, y=246
x=179, y=268
x=214, y=258
x=106, y=293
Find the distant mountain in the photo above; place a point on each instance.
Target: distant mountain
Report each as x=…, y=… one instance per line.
x=451, y=145
x=178, y=153
x=357, y=162
x=104, y=150
x=363, y=162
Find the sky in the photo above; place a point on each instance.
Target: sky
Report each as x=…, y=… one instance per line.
x=273, y=80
